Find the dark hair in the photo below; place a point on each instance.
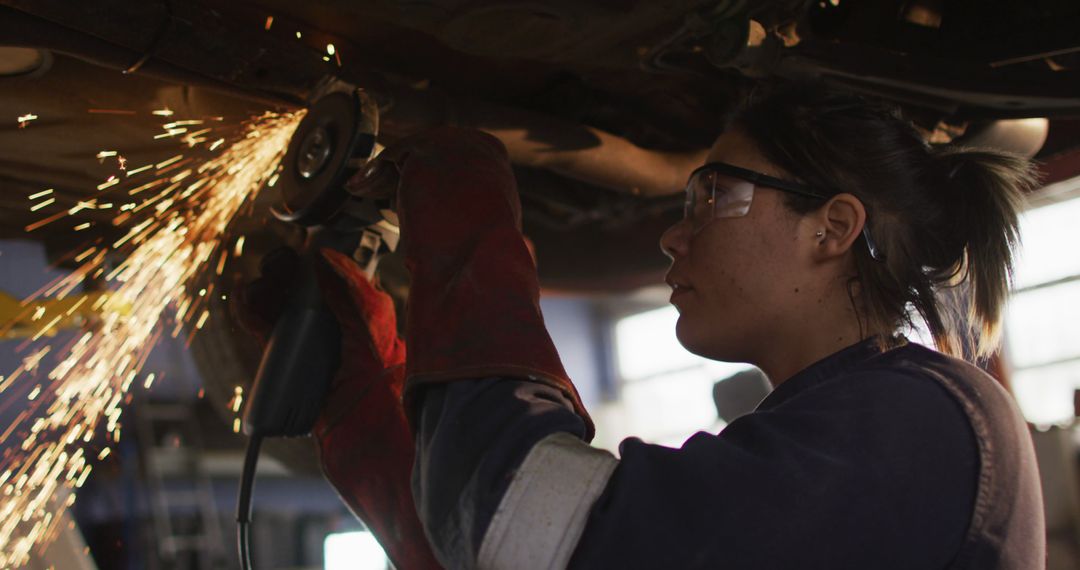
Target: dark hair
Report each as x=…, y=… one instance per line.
x=941, y=216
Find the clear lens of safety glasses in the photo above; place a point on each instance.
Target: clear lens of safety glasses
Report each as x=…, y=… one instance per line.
x=710, y=195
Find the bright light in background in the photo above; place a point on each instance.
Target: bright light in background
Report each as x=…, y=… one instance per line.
x=919, y=333
x=646, y=345
x=665, y=393
x=1042, y=322
x=1043, y=325
x=353, y=551
x=1050, y=236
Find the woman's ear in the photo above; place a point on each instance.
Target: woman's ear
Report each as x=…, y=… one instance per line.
x=837, y=225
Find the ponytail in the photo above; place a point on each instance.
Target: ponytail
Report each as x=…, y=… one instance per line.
x=980, y=192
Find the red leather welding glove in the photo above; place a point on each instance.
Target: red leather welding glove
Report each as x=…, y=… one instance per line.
x=365, y=445
x=473, y=307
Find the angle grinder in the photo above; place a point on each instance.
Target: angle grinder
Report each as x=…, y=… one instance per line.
x=335, y=140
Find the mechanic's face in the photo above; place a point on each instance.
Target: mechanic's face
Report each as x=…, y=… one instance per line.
x=736, y=281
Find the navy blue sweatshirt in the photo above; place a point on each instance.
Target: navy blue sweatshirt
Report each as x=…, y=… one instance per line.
x=903, y=459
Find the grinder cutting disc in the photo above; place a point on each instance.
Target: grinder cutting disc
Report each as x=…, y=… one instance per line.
x=335, y=137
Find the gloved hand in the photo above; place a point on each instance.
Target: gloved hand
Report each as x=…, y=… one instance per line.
x=474, y=296
x=365, y=445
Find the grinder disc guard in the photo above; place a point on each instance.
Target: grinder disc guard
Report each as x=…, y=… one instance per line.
x=335, y=138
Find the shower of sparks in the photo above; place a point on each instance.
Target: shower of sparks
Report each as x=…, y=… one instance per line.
x=175, y=234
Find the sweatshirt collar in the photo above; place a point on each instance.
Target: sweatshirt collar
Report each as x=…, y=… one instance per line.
x=835, y=364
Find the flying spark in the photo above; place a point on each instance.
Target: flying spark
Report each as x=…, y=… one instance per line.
x=41, y=205
x=169, y=161
x=141, y=169
x=237, y=399
x=166, y=249
x=25, y=119
x=110, y=182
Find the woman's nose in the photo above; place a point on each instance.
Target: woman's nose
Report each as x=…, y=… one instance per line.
x=676, y=239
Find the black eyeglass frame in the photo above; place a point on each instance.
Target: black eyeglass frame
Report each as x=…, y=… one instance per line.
x=762, y=179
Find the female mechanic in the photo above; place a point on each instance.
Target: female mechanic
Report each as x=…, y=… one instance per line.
x=820, y=223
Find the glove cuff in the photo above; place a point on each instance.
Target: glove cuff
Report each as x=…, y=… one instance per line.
x=477, y=315
x=414, y=385
x=374, y=478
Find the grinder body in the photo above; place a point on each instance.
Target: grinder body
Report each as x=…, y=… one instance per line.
x=303, y=354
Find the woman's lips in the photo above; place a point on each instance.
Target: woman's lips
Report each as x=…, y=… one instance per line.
x=678, y=289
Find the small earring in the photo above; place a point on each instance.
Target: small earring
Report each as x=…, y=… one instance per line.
x=820, y=234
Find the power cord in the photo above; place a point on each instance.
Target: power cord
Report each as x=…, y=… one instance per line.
x=243, y=502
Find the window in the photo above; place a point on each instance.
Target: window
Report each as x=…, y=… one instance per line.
x=665, y=392
x=1042, y=322
x=353, y=551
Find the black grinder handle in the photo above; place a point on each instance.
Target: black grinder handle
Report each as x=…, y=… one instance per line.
x=299, y=362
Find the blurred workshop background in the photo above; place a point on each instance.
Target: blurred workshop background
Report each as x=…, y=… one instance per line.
x=604, y=105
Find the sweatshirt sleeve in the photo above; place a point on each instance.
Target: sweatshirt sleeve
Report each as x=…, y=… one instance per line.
x=497, y=457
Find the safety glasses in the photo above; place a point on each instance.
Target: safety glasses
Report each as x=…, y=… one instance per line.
x=721, y=190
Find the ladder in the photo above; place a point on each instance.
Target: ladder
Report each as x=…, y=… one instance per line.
x=186, y=525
